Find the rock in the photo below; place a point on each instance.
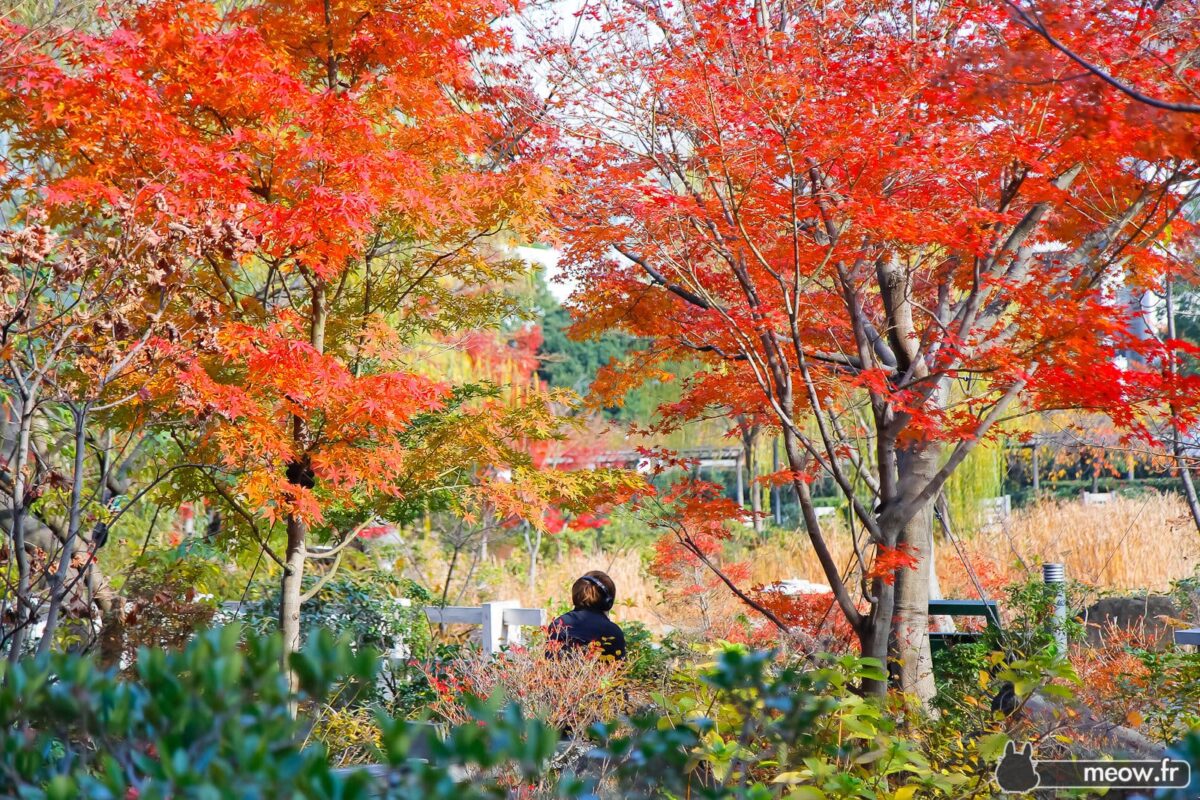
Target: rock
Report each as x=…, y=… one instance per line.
x=795, y=586
x=1151, y=612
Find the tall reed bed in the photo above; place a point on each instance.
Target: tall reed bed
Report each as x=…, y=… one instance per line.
x=1130, y=544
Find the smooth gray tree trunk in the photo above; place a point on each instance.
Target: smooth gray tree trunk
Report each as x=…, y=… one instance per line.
x=910, y=631
x=290, y=588
x=60, y=584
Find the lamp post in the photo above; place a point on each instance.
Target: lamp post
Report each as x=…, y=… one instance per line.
x=1055, y=577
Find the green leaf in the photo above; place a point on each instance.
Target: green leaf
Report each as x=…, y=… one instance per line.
x=61, y=787
x=992, y=745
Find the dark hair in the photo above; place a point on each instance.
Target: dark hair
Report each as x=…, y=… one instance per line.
x=594, y=591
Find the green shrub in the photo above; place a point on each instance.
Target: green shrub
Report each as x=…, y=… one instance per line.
x=214, y=721
x=653, y=662
x=748, y=727
x=165, y=597
x=211, y=720
x=370, y=608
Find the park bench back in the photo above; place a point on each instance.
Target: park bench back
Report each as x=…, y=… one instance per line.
x=941, y=640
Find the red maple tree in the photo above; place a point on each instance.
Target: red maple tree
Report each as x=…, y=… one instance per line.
x=882, y=226
x=365, y=151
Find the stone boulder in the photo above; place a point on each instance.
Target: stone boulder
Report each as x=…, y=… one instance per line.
x=1153, y=613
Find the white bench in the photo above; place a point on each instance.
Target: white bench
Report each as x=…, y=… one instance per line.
x=1096, y=498
x=996, y=510
x=501, y=620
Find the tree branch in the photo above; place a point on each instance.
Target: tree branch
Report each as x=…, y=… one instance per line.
x=1036, y=25
x=691, y=547
x=661, y=280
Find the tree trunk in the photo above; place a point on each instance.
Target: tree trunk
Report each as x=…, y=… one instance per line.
x=1189, y=487
x=59, y=584
x=533, y=543
x=290, y=590
x=776, y=492
x=909, y=649
x=18, y=464
x=755, y=489
x=1177, y=449
x=941, y=509
x=749, y=436
x=875, y=634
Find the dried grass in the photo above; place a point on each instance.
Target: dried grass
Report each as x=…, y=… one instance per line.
x=1129, y=544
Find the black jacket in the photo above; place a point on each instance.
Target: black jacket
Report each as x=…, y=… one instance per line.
x=581, y=627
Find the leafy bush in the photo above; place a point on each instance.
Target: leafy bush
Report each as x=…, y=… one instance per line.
x=1030, y=628
x=371, y=608
x=350, y=733
x=162, y=602
x=653, y=662
x=1189, y=750
x=814, y=621
x=1023, y=653
x=1129, y=681
x=748, y=727
x=211, y=720
x=214, y=720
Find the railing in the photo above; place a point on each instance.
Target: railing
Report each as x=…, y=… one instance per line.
x=941, y=640
x=501, y=620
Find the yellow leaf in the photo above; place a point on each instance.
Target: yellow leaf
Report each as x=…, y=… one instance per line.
x=792, y=777
x=905, y=793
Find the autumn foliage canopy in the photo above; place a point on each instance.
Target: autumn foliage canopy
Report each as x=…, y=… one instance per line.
x=884, y=231
x=890, y=229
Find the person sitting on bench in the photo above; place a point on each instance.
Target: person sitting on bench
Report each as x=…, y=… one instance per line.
x=593, y=595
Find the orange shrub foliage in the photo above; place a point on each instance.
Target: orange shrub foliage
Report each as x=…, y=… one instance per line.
x=569, y=688
x=1113, y=677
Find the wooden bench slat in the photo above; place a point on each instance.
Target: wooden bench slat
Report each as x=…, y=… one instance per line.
x=989, y=609
x=525, y=617
x=964, y=608
x=1188, y=636
x=455, y=615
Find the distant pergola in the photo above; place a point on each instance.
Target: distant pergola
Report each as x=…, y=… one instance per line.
x=704, y=458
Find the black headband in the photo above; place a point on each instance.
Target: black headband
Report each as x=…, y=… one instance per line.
x=605, y=595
